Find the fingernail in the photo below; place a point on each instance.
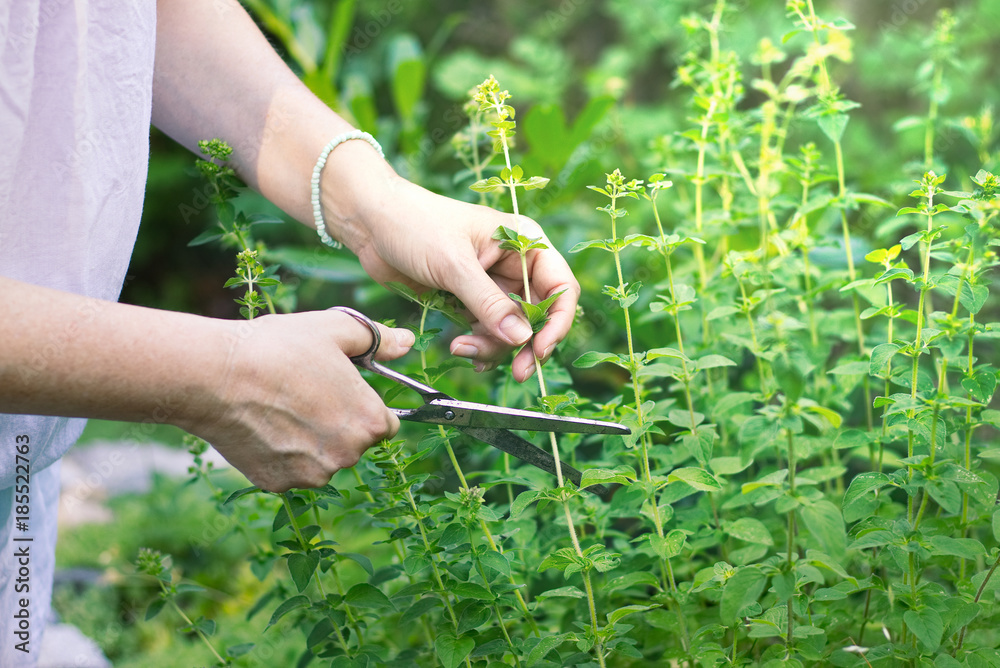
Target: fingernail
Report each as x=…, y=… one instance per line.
x=516, y=330
x=547, y=352
x=531, y=372
x=464, y=350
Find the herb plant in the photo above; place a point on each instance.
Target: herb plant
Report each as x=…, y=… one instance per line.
x=805, y=368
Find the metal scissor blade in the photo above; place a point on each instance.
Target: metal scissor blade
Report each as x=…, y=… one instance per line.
x=514, y=445
x=448, y=411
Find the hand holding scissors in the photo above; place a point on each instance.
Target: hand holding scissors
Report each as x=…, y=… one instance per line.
x=487, y=423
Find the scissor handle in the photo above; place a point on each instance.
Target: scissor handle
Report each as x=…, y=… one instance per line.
x=366, y=360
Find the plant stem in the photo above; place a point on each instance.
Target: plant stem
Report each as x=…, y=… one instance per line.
x=791, y=540
x=918, y=343
x=187, y=620
x=461, y=477
x=543, y=392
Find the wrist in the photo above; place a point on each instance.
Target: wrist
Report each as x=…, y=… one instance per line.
x=354, y=183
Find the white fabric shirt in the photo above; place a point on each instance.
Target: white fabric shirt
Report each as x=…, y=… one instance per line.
x=75, y=98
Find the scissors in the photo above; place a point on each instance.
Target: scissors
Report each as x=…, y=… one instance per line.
x=489, y=424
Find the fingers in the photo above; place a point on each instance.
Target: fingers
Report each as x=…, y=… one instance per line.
x=499, y=316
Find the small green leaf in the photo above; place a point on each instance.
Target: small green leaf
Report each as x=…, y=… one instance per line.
x=523, y=500
x=452, y=650
x=859, y=501
x=472, y=590
x=605, y=476
x=964, y=548
x=742, y=589
x=544, y=646
x=589, y=359
x=363, y=595
x=615, y=615
x=496, y=561
x=670, y=545
x=241, y=493
x=714, y=362
x=881, y=355
x=750, y=530
x=926, y=625
x=833, y=125
x=698, y=478
x=293, y=603
x=301, y=566
x=155, y=607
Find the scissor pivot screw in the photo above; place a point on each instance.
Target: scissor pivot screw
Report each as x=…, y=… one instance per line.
x=449, y=415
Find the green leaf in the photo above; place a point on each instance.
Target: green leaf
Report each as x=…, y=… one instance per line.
x=452, y=650
x=927, y=625
x=605, y=476
x=670, y=545
x=239, y=650
x=293, y=603
x=742, y=589
x=615, y=615
x=881, y=355
x=981, y=386
x=523, y=500
x=750, y=530
x=472, y=590
x=826, y=525
x=301, y=566
x=964, y=548
x=833, y=125
x=698, y=478
x=713, y=362
x=544, y=646
x=859, y=501
x=418, y=609
x=561, y=592
x=241, y=493
x=155, y=607
x=589, y=359
x=496, y=561
x=363, y=595
x=489, y=185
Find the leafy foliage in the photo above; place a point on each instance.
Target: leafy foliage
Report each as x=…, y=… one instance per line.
x=805, y=367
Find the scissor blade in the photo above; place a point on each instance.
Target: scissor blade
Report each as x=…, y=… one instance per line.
x=456, y=413
x=514, y=445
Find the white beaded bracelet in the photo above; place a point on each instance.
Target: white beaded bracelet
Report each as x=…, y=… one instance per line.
x=317, y=207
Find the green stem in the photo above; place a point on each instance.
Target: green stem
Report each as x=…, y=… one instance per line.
x=462, y=480
x=791, y=540
x=918, y=341
x=187, y=620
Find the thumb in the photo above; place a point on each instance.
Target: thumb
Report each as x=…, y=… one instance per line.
x=356, y=338
x=497, y=312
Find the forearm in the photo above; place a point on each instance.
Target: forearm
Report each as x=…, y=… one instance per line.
x=217, y=76
x=73, y=356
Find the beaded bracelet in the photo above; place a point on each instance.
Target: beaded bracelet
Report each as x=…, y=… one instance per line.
x=317, y=208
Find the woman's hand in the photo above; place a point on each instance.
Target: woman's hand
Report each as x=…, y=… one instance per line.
x=292, y=409
x=413, y=236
